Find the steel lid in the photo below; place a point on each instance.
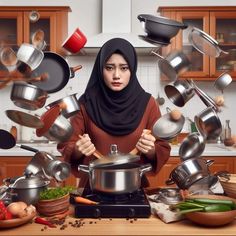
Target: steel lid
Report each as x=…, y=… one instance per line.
x=114, y=158
x=25, y=182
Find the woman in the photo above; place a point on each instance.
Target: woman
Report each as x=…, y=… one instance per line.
x=114, y=109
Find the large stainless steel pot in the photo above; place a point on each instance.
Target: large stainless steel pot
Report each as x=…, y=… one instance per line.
x=188, y=172
x=118, y=179
x=26, y=188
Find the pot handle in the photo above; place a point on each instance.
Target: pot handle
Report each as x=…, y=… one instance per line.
x=145, y=168
x=141, y=18
x=170, y=182
x=209, y=162
x=83, y=168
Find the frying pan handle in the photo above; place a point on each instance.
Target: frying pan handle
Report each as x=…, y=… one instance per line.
x=27, y=148
x=73, y=70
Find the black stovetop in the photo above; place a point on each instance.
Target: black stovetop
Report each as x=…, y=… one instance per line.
x=131, y=205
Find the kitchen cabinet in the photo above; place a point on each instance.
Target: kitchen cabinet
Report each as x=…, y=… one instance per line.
x=12, y=166
x=219, y=23
x=17, y=27
x=220, y=163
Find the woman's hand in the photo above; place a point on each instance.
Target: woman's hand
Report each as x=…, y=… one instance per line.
x=85, y=146
x=146, y=144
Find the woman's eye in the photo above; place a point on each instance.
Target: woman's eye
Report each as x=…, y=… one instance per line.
x=124, y=68
x=109, y=67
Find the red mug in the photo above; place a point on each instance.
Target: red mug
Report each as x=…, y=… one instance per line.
x=75, y=42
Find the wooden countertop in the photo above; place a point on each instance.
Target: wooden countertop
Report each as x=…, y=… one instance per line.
x=149, y=226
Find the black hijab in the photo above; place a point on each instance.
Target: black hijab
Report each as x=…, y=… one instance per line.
x=115, y=112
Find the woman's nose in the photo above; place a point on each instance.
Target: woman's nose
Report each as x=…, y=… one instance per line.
x=116, y=74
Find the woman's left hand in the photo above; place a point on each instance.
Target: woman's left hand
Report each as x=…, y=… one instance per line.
x=146, y=143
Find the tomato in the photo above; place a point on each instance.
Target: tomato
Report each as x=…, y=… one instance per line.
x=8, y=215
x=2, y=205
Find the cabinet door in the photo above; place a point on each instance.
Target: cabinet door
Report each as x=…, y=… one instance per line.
x=199, y=63
x=47, y=23
x=160, y=179
x=223, y=29
x=12, y=166
x=221, y=164
x=11, y=33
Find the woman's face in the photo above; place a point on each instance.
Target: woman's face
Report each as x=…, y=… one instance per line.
x=116, y=72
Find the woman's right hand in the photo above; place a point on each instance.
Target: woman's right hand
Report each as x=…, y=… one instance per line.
x=85, y=146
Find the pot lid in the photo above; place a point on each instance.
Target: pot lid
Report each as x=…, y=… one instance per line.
x=25, y=182
x=114, y=158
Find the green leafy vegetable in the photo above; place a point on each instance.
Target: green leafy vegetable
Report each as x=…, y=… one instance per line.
x=57, y=192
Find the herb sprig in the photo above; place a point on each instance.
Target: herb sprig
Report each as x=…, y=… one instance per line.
x=57, y=192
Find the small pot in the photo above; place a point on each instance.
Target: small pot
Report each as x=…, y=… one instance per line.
x=30, y=55
x=208, y=124
x=69, y=105
x=26, y=188
x=56, y=127
x=179, y=92
x=188, y=172
x=118, y=179
x=75, y=42
x=28, y=96
x=222, y=81
x=174, y=64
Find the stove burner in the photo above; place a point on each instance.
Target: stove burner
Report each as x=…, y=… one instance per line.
x=131, y=205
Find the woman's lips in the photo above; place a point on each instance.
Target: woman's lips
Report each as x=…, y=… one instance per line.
x=116, y=84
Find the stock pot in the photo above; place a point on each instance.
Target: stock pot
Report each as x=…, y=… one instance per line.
x=116, y=173
x=118, y=179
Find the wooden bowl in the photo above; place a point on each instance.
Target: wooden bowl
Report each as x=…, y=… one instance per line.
x=17, y=221
x=53, y=206
x=212, y=218
x=229, y=186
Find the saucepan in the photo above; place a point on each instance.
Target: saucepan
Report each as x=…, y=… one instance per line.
x=222, y=81
x=173, y=65
x=208, y=124
x=56, y=126
x=30, y=55
x=28, y=96
x=179, y=92
x=189, y=171
x=75, y=41
x=69, y=105
x=192, y=146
